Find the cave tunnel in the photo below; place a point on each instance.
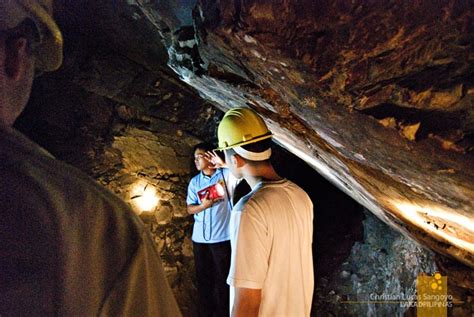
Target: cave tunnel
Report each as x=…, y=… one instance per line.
x=371, y=106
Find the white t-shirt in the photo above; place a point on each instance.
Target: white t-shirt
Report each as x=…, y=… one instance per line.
x=271, y=236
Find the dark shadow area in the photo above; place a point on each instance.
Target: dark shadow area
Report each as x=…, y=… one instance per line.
x=432, y=121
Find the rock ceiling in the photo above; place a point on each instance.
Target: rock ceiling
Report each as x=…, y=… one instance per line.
x=377, y=96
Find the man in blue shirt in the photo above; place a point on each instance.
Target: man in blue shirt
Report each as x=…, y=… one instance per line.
x=211, y=230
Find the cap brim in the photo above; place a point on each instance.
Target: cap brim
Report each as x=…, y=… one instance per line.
x=260, y=138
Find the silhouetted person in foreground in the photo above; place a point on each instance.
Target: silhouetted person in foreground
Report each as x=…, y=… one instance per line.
x=68, y=246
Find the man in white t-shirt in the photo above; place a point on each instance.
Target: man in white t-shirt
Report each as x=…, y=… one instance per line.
x=271, y=228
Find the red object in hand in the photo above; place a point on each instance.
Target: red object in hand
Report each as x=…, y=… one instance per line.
x=215, y=191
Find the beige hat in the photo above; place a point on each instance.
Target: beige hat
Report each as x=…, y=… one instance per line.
x=49, y=53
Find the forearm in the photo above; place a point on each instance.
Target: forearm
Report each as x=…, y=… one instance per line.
x=245, y=311
x=195, y=209
x=246, y=302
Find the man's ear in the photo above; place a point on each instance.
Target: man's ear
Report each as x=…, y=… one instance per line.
x=16, y=57
x=237, y=160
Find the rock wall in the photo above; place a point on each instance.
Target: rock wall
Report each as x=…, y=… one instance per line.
x=384, y=264
x=375, y=95
x=157, y=162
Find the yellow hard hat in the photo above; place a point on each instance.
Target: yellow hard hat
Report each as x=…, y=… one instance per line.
x=241, y=126
x=49, y=52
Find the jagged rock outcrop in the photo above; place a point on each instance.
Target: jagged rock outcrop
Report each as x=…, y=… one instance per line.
x=376, y=96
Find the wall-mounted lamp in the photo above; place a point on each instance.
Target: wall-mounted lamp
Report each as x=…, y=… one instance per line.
x=144, y=197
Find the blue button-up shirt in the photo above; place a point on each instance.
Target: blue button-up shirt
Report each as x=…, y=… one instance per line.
x=211, y=225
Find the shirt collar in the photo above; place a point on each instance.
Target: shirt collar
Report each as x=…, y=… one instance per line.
x=20, y=141
x=212, y=176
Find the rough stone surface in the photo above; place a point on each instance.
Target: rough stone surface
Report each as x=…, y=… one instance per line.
x=375, y=95
x=385, y=263
x=145, y=150
x=460, y=286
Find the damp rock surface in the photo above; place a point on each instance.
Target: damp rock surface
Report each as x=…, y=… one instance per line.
x=377, y=96
x=378, y=277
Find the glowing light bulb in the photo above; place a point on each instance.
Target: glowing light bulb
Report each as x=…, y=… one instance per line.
x=144, y=197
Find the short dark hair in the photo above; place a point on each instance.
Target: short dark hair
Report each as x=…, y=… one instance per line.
x=257, y=147
x=203, y=146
